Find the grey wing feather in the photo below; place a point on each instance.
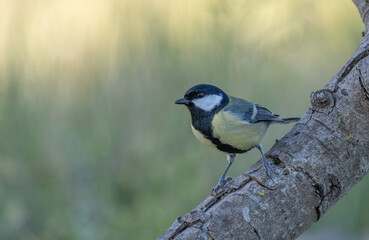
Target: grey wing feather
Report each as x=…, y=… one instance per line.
x=263, y=114
x=245, y=110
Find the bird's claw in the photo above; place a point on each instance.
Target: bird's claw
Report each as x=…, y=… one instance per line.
x=269, y=171
x=220, y=184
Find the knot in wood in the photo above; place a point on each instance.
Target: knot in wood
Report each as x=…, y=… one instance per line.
x=334, y=188
x=322, y=98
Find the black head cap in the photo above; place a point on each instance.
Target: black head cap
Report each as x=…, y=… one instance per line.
x=205, y=89
x=200, y=91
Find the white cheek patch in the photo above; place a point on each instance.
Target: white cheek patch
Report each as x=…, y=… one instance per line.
x=208, y=102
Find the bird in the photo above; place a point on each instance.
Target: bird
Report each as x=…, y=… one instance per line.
x=230, y=124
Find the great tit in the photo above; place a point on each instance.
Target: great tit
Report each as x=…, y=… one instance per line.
x=232, y=125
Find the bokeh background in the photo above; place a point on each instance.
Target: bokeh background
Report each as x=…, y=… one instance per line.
x=91, y=144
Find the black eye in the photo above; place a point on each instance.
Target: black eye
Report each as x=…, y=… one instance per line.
x=200, y=95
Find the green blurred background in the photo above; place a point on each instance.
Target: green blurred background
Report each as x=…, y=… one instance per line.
x=92, y=145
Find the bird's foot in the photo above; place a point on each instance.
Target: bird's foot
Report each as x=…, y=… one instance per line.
x=220, y=184
x=268, y=168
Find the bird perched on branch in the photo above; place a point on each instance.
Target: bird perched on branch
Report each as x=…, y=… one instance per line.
x=232, y=125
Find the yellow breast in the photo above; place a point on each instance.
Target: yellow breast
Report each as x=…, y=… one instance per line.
x=201, y=138
x=231, y=130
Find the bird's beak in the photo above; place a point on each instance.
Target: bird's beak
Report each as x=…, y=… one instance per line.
x=182, y=101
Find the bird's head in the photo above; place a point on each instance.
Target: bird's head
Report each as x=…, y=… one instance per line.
x=204, y=98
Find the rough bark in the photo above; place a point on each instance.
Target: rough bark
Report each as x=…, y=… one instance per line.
x=317, y=163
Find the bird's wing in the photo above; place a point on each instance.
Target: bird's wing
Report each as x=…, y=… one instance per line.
x=263, y=114
x=241, y=109
x=249, y=112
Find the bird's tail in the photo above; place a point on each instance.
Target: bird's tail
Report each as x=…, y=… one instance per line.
x=285, y=120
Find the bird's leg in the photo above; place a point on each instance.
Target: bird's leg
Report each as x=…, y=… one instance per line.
x=268, y=168
x=223, y=180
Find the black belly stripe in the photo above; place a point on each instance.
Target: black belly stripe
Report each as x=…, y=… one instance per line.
x=226, y=147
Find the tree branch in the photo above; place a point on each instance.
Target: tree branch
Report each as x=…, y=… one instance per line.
x=363, y=7
x=317, y=163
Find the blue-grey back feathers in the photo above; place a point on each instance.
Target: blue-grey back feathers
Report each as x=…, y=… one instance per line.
x=240, y=108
